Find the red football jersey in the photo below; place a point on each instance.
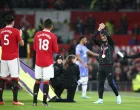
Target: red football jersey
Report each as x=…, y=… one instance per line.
x=45, y=44
x=9, y=37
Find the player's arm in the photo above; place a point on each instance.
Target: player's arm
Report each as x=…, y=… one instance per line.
x=133, y=56
x=92, y=53
x=94, y=38
x=21, y=43
x=81, y=61
x=109, y=38
x=55, y=45
x=20, y=40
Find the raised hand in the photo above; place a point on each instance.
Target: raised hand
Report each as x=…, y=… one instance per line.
x=102, y=26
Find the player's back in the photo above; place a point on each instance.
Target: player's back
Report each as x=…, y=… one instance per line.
x=45, y=44
x=9, y=41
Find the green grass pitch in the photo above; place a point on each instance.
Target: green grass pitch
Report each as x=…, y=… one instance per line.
x=130, y=101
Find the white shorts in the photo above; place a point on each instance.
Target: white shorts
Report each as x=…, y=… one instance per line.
x=83, y=81
x=44, y=72
x=10, y=67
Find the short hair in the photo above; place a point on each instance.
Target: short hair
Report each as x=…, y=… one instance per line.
x=48, y=23
x=9, y=19
x=82, y=37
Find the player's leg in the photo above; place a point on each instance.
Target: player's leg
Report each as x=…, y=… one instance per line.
x=38, y=76
x=83, y=80
x=110, y=78
x=3, y=74
x=85, y=83
x=2, y=83
x=48, y=72
x=84, y=87
x=101, y=79
x=14, y=68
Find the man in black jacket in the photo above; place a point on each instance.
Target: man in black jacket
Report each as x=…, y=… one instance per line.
x=106, y=62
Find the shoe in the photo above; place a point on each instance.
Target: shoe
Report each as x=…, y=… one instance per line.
x=99, y=101
x=2, y=103
x=86, y=97
x=34, y=104
x=17, y=103
x=119, y=101
x=74, y=101
x=45, y=104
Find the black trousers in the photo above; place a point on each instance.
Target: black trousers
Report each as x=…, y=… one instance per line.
x=106, y=71
x=57, y=86
x=70, y=94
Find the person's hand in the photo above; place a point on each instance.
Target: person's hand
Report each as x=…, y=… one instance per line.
x=85, y=65
x=125, y=57
x=102, y=26
x=99, y=29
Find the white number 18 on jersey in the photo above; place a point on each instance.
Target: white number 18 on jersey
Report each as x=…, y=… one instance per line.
x=43, y=44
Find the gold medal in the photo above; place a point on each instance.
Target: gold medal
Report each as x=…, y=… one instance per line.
x=103, y=56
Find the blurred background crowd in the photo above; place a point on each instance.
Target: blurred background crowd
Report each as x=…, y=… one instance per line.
x=68, y=31
x=97, y=5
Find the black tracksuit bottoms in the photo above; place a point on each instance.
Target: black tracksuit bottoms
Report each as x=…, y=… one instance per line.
x=106, y=71
x=70, y=93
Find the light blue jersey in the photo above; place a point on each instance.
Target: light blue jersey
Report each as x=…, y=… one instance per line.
x=82, y=51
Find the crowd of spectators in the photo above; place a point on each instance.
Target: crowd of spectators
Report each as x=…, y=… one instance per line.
x=89, y=26
x=97, y=5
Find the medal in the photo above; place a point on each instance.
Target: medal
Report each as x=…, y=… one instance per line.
x=103, y=56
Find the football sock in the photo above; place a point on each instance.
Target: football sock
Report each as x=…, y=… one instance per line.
x=84, y=89
x=45, y=91
x=2, y=83
x=15, y=89
x=36, y=89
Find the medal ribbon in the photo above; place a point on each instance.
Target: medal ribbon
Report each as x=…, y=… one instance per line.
x=103, y=51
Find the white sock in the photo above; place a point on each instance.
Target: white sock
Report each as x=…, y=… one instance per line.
x=77, y=89
x=84, y=90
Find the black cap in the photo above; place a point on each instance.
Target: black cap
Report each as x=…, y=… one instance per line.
x=58, y=57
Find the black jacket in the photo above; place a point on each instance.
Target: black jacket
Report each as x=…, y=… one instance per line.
x=58, y=71
x=108, y=46
x=70, y=75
